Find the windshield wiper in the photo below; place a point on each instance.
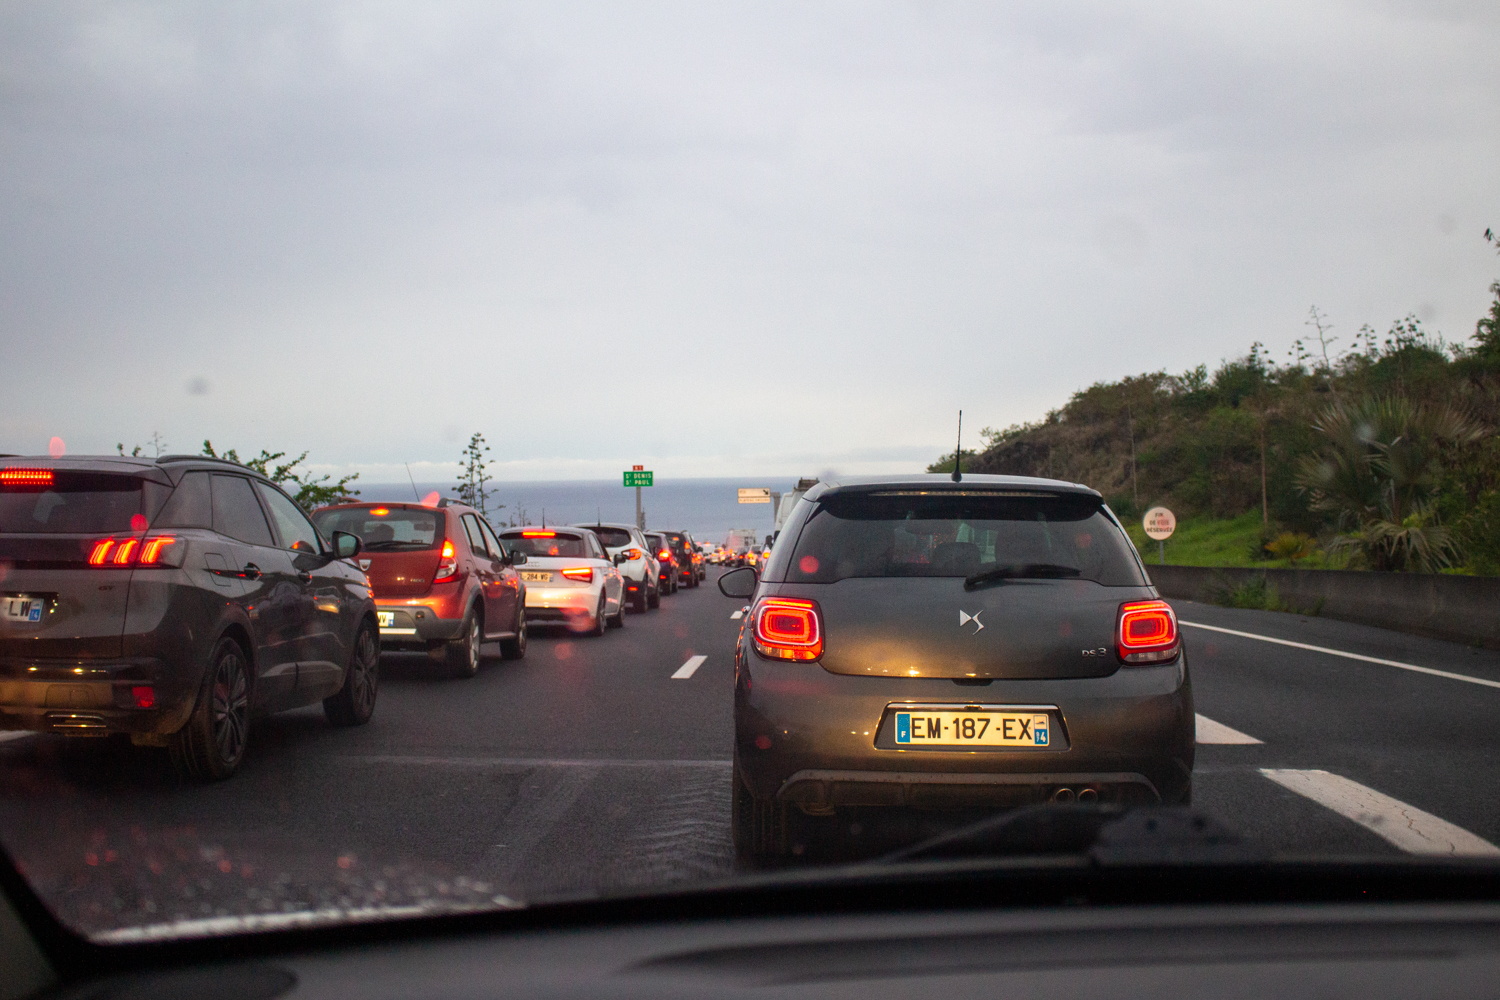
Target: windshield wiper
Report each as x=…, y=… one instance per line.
x=1104, y=834
x=1022, y=571
x=394, y=546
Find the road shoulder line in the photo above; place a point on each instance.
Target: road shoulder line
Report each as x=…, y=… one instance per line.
x=1211, y=732
x=1349, y=656
x=1407, y=827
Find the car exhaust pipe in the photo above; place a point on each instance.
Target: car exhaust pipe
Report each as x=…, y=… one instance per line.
x=1087, y=795
x=1063, y=796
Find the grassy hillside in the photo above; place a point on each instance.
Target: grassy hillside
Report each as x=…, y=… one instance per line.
x=1381, y=453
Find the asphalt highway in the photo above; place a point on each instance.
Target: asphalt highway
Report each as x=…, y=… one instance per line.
x=603, y=765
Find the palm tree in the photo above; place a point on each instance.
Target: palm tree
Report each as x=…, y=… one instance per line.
x=1378, y=473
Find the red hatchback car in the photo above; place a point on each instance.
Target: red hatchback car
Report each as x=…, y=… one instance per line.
x=443, y=581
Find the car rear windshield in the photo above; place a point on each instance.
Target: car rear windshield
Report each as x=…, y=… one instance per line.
x=385, y=529
x=613, y=538
x=62, y=503
x=547, y=543
x=962, y=535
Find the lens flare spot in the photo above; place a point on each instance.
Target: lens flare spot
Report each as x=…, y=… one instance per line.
x=345, y=861
x=563, y=651
x=226, y=866
x=763, y=741
x=808, y=564
x=56, y=448
x=138, y=522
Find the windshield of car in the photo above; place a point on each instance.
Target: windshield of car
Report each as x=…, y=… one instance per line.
x=384, y=529
x=1119, y=383
x=48, y=502
x=547, y=543
x=896, y=534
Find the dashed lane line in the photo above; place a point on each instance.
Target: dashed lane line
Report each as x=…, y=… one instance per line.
x=1407, y=827
x=1210, y=731
x=687, y=669
x=1349, y=656
x=737, y=615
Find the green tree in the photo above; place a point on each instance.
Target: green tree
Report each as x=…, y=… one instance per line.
x=310, y=492
x=475, y=474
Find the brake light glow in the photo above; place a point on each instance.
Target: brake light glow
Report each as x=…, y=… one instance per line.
x=125, y=552
x=154, y=550
x=143, y=696
x=151, y=552
x=788, y=629
x=101, y=551
x=379, y=512
x=26, y=477
x=447, y=563
x=1147, y=632
x=538, y=534
x=631, y=555
x=665, y=554
x=582, y=574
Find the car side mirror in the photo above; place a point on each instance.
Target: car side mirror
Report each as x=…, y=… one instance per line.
x=739, y=583
x=621, y=559
x=346, y=545
x=517, y=558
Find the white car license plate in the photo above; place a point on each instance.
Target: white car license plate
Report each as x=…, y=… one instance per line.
x=20, y=608
x=979, y=729
x=386, y=618
x=533, y=577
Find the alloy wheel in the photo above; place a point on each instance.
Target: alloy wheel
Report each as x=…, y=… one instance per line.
x=229, y=707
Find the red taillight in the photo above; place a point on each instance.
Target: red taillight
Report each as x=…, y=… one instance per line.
x=631, y=555
x=101, y=551
x=1146, y=632
x=582, y=574
x=25, y=477
x=125, y=551
x=144, y=697
x=788, y=629
x=664, y=555
x=152, y=552
x=538, y=534
x=155, y=550
x=447, y=564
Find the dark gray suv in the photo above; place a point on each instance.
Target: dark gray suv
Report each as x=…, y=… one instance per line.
x=172, y=599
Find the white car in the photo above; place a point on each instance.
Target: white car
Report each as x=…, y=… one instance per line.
x=569, y=579
x=638, y=566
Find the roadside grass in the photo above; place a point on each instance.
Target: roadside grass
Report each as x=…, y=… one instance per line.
x=1205, y=541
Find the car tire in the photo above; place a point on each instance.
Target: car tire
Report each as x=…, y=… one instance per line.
x=212, y=744
x=463, y=653
x=653, y=596
x=355, y=701
x=642, y=597
x=759, y=827
x=514, y=648
x=618, y=621
x=596, y=627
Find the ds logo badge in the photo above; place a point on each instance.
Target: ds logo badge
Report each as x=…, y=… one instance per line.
x=964, y=618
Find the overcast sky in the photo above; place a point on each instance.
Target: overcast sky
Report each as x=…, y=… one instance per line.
x=714, y=239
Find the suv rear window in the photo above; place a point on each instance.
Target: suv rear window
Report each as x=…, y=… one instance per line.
x=80, y=503
x=384, y=529
x=547, y=543
x=614, y=538
x=934, y=534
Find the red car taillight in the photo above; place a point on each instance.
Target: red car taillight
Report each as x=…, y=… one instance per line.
x=26, y=477
x=631, y=555
x=1147, y=632
x=156, y=550
x=788, y=629
x=665, y=555
x=582, y=574
x=447, y=564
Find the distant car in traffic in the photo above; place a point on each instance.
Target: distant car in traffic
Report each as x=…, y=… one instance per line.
x=936, y=645
x=443, y=581
x=685, y=552
x=172, y=600
x=570, y=578
x=667, y=565
x=639, y=570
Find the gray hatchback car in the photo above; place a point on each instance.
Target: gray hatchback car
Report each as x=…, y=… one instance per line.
x=939, y=645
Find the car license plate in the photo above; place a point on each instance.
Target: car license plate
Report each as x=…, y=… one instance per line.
x=536, y=577
x=980, y=729
x=20, y=608
x=386, y=618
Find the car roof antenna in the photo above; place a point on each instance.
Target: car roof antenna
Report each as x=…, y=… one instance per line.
x=413, y=482
x=958, y=451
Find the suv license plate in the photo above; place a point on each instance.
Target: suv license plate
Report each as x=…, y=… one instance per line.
x=20, y=608
x=978, y=729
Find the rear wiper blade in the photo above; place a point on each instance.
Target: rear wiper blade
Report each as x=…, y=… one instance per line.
x=1023, y=571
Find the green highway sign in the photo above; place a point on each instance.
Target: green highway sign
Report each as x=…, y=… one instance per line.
x=638, y=478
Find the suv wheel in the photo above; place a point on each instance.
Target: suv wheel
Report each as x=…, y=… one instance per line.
x=463, y=653
x=212, y=744
x=355, y=701
x=642, y=597
x=515, y=648
x=759, y=827
x=653, y=596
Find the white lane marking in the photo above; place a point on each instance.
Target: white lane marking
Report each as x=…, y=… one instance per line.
x=737, y=615
x=1210, y=731
x=686, y=670
x=1350, y=656
x=1408, y=827
x=15, y=735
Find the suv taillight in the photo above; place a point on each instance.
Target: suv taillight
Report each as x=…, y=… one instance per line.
x=631, y=555
x=1146, y=632
x=788, y=629
x=447, y=563
x=153, y=550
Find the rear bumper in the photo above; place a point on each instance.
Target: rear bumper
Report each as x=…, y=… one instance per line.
x=416, y=627
x=573, y=605
x=93, y=698
x=809, y=737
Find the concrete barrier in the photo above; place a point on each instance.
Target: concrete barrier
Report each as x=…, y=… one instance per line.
x=1459, y=608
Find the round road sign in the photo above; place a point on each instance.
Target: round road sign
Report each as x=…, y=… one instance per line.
x=1159, y=523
